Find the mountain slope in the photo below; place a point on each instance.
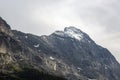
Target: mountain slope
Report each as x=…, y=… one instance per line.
x=78, y=51
x=70, y=53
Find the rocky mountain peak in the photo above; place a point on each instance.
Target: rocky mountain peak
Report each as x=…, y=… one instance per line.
x=73, y=32
x=73, y=29
x=70, y=32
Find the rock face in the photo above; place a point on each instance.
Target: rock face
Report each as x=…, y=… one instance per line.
x=70, y=53
x=16, y=57
x=5, y=57
x=5, y=28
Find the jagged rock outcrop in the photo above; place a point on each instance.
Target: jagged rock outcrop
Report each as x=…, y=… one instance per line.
x=5, y=57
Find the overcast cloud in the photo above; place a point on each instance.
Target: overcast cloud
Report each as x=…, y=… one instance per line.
x=98, y=18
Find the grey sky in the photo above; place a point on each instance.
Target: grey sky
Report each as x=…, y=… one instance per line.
x=98, y=18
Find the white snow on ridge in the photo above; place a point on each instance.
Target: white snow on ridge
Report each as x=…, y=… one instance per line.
x=59, y=33
x=36, y=46
x=72, y=34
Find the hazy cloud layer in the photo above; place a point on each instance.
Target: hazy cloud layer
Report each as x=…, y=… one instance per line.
x=99, y=18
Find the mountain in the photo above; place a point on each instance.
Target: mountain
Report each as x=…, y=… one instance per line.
x=69, y=54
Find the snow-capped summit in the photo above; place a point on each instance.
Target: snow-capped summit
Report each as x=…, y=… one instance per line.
x=60, y=33
x=74, y=29
x=73, y=32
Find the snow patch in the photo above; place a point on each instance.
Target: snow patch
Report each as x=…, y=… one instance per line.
x=21, y=59
x=61, y=39
x=78, y=68
x=106, y=67
x=52, y=58
x=60, y=33
x=89, y=41
x=72, y=34
x=26, y=37
x=39, y=50
x=36, y=46
x=18, y=40
x=92, y=79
